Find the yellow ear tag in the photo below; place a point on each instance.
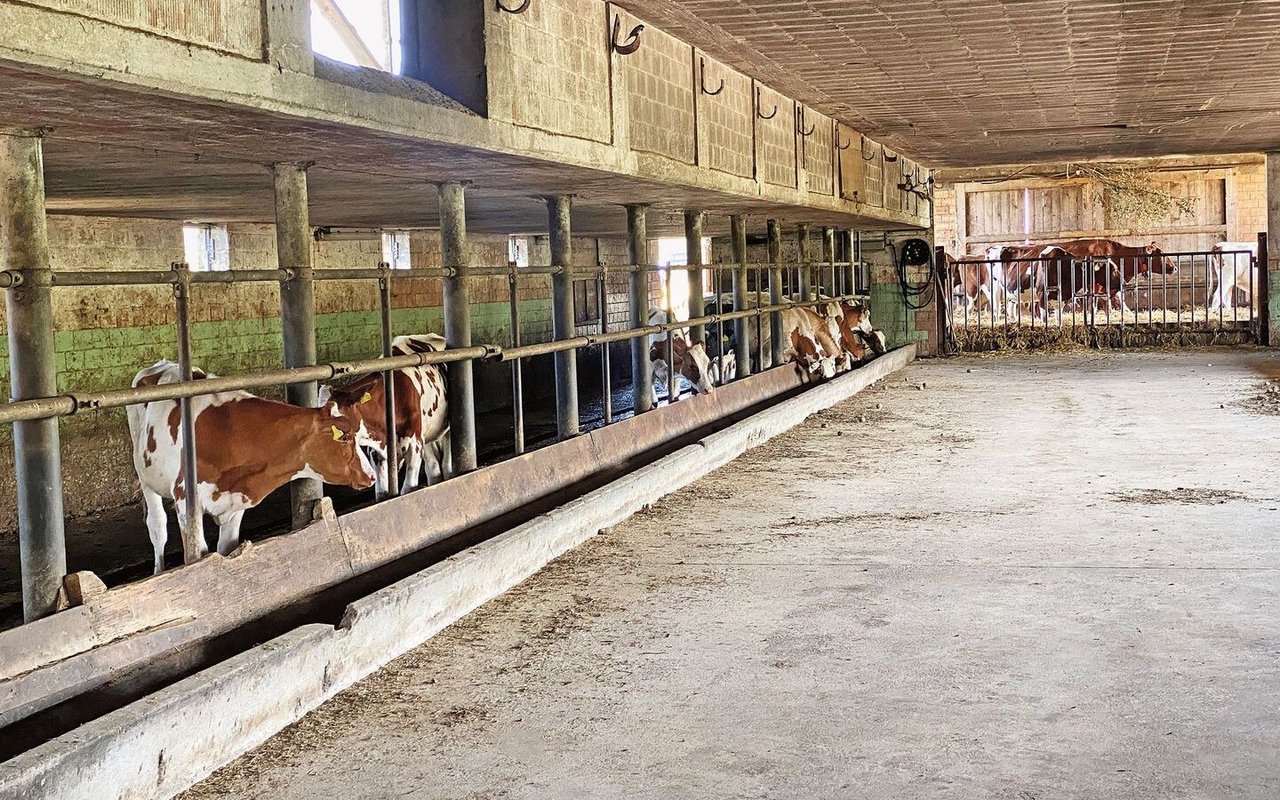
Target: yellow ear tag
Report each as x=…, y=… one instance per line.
x=366, y=397
x=337, y=434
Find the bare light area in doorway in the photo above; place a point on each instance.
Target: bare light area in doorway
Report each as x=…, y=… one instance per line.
x=361, y=32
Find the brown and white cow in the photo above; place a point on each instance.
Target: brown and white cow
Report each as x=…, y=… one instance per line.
x=246, y=448
x=421, y=415
x=1234, y=268
x=1129, y=261
x=689, y=355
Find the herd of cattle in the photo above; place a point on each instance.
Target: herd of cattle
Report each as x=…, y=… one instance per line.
x=247, y=446
x=1070, y=272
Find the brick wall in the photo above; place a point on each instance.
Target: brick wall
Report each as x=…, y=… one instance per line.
x=231, y=25
x=776, y=139
x=724, y=119
x=659, y=84
x=818, y=149
x=549, y=69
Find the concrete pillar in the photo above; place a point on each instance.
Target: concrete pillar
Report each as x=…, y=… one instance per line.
x=457, y=323
x=742, y=338
x=1272, y=309
x=24, y=248
x=693, y=221
x=297, y=309
x=558, y=208
x=804, y=287
x=777, y=346
x=638, y=254
x=288, y=35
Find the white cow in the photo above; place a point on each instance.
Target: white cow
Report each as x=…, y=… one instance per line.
x=1234, y=266
x=690, y=356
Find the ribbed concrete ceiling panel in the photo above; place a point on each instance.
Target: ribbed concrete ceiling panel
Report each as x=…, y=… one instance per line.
x=972, y=82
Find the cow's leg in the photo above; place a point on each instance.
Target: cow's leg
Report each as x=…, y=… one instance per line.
x=202, y=549
x=229, y=532
x=412, y=464
x=157, y=525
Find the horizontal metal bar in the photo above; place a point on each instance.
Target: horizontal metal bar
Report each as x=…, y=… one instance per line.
x=165, y=277
x=67, y=404
x=8, y=279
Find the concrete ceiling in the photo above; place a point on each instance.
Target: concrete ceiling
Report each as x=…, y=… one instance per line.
x=974, y=82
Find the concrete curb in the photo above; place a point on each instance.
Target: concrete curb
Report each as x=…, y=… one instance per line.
x=164, y=743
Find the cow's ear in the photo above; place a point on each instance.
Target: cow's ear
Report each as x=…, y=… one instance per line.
x=338, y=434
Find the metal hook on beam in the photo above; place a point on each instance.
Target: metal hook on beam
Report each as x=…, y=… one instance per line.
x=862, y=147
x=844, y=146
x=800, y=123
x=889, y=159
x=772, y=113
x=520, y=9
x=702, y=79
x=632, y=43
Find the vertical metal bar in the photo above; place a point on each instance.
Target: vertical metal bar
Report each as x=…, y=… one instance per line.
x=456, y=258
x=389, y=384
x=856, y=271
x=1264, y=289
x=776, y=344
x=1164, y=297
x=742, y=339
x=606, y=371
x=193, y=544
x=693, y=224
x=33, y=372
x=517, y=372
x=297, y=309
x=942, y=279
x=1192, y=277
x=673, y=382
x=720, y=348
x=558, y=211
x=829, y=257
x=638, y=253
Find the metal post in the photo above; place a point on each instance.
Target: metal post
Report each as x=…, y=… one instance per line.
x=297, y=309
x=389, y=386
x=942, y=281
x=742, y=343
x=517, y=372
x=638, y=254
x=558, y=208
x=804, y=281
x=829, y=258
x=193, y=544
x=457, y=323
x=777, y=346
x=24, y=248
x=856, y=271
x=1263, y=290
x=693, y=258
x=606, y=368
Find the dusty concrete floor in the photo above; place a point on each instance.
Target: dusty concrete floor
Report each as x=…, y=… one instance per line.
x=1032, y=579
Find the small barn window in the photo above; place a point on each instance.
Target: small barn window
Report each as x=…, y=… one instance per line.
x=206, y=248
x=518, y=251
x=361, y=32
x=395, y=249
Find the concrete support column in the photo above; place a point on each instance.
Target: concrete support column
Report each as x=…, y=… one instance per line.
x=297, y=309
x=742, y=338
x=776, y=345
x=828, y=273
x=558, y=208
x=804, y=289
x=638, y=254
x=288, y=35
x=693, y=221
x=1272, y=309
x=24, y=248
x=457, y=323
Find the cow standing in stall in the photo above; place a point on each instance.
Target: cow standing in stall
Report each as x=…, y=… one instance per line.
x=246, y=448
x=1234, y=267
x=1128, y=261
x=421, y=415
x=689, y=355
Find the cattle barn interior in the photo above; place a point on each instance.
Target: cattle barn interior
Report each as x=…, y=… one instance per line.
x=713, y=398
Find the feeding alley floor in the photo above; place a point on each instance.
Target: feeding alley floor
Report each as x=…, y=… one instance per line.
x=1034, y=577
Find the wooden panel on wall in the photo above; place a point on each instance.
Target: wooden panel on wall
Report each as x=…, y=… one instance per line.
x=1059, y=208
x=724, y=118
x=775, y=138
x=873, y=173
x=549, y=68
x=849, y=159
x=234, y=26
x=659, y=85
x=995, y=215
x=817, y=149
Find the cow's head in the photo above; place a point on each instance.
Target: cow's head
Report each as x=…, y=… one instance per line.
x=724, y=368
x=361, y=405
x=694, y=364
x=334, y=454
x=857, y=317
x=1156, y=261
